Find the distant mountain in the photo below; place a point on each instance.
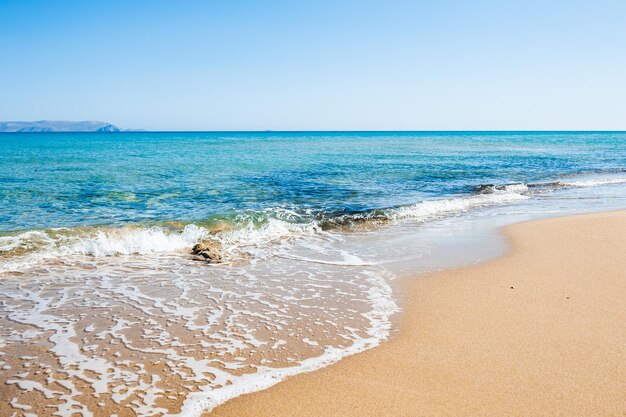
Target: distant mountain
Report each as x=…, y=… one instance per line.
x=58, y=126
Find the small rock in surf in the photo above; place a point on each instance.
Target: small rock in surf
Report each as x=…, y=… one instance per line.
x=208, y=251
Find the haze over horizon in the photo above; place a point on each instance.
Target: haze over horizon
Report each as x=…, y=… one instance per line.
x=395, y=65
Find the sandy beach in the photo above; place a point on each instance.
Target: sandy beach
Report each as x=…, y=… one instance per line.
x=538, y=332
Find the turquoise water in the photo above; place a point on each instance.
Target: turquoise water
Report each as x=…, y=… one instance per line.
x=101, y=298
x=64, y=180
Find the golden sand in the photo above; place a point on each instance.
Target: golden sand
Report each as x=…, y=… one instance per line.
x=538, y=332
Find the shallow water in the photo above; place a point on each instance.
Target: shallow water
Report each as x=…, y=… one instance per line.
x=102, y=307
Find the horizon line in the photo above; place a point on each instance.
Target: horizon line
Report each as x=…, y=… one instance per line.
x=343, y=131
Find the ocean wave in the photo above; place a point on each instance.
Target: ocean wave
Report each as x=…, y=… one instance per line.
x=104, y=242
x=22, y=250
x=130, y=241
x=519, y=188
x=24, y=241
x=253, y=232
x=593, y=182
x=271, y=230
x=30, y=248
x=429, y=209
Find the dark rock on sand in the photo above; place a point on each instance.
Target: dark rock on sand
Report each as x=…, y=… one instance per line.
x=208, y=251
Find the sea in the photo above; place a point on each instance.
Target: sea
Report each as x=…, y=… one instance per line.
x=105, y=310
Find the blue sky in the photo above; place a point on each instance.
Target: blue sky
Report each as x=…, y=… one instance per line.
x=319, y=65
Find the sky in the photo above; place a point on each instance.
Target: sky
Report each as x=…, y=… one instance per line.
x=316, y=65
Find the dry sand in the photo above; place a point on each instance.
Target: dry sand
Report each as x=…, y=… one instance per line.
x=538, y=332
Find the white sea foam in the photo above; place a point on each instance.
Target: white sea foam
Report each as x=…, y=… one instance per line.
x=429, y=209
x=593, y=182
x=216, y=316
x=105, y=242
x=24, y=240
x=137, y=241
x=383, y=307
x=272, y=230
x=520, y=188
x=53, y=244
x=347, y=260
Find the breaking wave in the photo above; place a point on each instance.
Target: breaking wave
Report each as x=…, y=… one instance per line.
x=594, y=183
x=430, y=209
x=253, y=231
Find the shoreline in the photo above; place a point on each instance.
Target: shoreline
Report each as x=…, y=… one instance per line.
x=537, y=331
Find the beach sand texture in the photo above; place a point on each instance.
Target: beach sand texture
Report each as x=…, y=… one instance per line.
x=538, y=332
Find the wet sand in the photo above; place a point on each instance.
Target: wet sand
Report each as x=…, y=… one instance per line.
x=538, y=332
